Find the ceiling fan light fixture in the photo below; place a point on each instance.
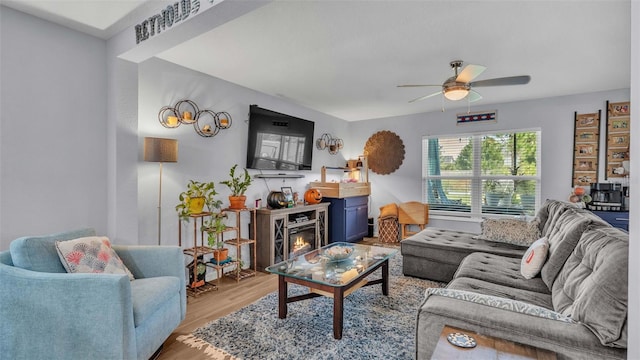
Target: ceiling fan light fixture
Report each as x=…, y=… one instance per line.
x=456, y=92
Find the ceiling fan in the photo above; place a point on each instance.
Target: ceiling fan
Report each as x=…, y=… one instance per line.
x=461, y=85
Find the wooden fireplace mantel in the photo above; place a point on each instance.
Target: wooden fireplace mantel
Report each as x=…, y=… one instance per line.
x=273, y=230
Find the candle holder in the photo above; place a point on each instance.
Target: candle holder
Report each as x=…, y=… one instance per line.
x=327, y=141
x=207, y=123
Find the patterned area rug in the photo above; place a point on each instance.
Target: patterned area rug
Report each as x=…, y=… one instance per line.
x=375, y=326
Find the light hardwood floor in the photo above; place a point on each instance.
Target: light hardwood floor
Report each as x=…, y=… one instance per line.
x=229, y=297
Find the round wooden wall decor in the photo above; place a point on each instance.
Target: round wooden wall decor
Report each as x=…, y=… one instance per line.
x=385, y=152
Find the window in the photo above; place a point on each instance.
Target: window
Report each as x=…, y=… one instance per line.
x=491, y=173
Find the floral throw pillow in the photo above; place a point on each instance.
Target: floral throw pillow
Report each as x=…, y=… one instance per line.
x=511, y=231
x=534, y=258
x=91, y=255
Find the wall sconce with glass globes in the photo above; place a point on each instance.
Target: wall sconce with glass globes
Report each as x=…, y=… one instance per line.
x=327, y=141
x=207, y=123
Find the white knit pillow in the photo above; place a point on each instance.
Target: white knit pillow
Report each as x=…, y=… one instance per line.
x=534, y=258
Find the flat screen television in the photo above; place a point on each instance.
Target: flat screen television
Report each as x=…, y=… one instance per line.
x=278, y=141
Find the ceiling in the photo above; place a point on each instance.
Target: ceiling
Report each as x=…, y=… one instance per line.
x=345, y=58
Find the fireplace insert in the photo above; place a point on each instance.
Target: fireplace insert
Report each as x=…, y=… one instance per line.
x=302, y=239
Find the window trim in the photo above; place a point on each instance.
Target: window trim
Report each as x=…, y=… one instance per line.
x=476, y=186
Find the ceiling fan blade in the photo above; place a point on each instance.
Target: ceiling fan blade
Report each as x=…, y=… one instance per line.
x=426, y=96
x=512, y=80
x=470, y=72
x=416, y=85
x=474, y=96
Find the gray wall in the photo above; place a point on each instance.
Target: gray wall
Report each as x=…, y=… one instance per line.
x=554, y=116
x=634, y=226
x=59, y=139
x=52, y=128
x=208, y=159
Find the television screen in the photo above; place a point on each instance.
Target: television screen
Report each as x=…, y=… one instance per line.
x=278, y=141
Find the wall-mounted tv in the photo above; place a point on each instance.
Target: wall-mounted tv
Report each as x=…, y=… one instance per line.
x=278, y=141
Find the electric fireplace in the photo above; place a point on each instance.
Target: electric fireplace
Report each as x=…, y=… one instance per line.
x=302, y=239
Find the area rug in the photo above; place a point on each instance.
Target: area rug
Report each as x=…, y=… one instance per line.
x=375, y=326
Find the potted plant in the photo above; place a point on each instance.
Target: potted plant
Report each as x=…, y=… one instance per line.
x=238, y=185
x=214, y=227
x=196, y=197
x=497, y=193
x=526, y=190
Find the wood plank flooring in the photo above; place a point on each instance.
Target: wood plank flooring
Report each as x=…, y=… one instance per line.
x=230, y=296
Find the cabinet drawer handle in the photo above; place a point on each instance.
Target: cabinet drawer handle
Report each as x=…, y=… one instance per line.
x=622, y=219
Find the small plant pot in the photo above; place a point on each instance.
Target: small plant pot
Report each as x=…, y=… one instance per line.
x=237, y=202
x=220, y=254
x=196, y=204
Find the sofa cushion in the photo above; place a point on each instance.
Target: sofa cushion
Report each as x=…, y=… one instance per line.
x=500, y=303
x=510, y=231
x=534, y=258
x=592, y=285
x=92, y=254
x=489, y=288
x=38, y=253
x=452, y=246
x=499, y=270
x=150, y=294
x=563, y=237
x=549, y=212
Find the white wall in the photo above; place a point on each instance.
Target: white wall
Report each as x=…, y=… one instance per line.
x=52, y=128
x=634, y=226
x=208, y=159
x=554, y=116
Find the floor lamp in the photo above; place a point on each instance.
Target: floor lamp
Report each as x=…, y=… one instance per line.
x=160, y=150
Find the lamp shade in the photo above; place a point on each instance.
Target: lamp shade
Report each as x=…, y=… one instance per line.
x=160, y=150
x=456, y=92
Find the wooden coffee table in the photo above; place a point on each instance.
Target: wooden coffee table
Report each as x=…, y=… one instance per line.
x=335, y=279
x=488, y=347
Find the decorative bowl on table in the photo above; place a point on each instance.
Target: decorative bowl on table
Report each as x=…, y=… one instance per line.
x=338, y=252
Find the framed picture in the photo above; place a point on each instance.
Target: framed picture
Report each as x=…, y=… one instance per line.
x=586, y=141
x=288, y=194
x=618, y=139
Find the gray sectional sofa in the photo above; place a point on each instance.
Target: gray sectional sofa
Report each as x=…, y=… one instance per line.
x=576, y=306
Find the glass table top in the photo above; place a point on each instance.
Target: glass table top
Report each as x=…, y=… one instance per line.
x=336, y=264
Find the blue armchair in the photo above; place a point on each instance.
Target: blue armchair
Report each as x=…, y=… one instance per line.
x=47, y=313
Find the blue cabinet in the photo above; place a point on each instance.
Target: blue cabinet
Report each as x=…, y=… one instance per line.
x=348, y=218
x=619, y=219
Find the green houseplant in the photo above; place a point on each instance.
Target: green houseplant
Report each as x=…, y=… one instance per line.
x=238, y=185
x=196, y=197
x=214, y=227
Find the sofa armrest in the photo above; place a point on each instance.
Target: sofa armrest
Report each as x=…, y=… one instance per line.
x=59, y=315
x=154, y=261
x=567, y=339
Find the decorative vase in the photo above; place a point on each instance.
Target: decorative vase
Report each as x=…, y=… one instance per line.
x=237, y=202
x=493, y=198
x=220, y=254
x=196, y=204
x=276, y=200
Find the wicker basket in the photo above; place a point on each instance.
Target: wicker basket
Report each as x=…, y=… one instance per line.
x=388, y=230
